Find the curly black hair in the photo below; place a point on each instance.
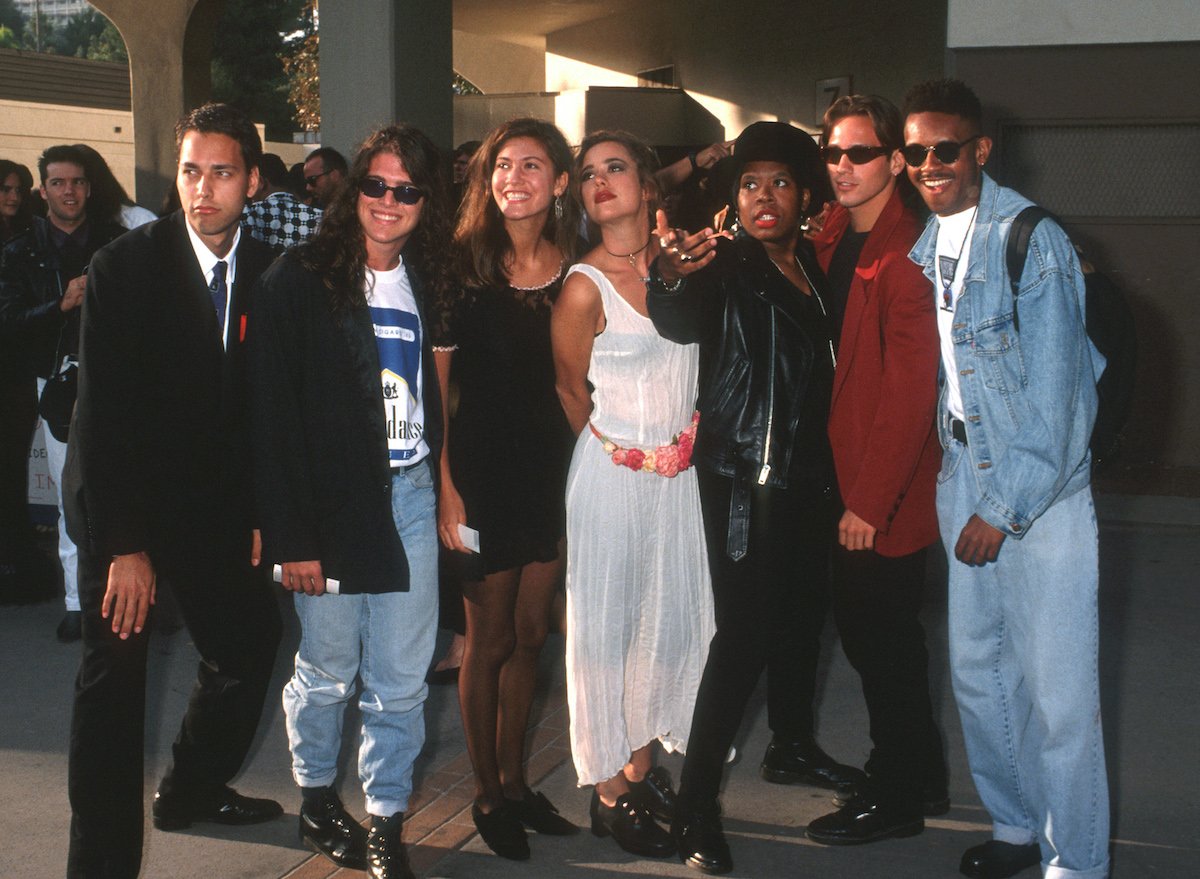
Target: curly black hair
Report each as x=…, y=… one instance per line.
x=951, y=96
x=338, y=252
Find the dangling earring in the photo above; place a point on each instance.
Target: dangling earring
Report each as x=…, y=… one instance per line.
x=558, y=208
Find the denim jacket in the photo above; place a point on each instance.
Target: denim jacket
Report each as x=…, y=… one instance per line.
x=1029, y=397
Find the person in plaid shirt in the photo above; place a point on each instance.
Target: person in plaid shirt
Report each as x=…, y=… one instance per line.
x=276, y=216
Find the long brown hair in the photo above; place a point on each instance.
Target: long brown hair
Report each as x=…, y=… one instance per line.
x=338, y=252
x=484, y=245
x=22, y=220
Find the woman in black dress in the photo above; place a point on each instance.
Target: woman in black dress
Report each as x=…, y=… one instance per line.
x=508, y=447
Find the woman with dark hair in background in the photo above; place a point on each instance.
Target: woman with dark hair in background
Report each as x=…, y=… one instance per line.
x=506, y=460
x=766, y=469
x=26, y=574
x=108, y=198
x=639, y=603
x=346, y=428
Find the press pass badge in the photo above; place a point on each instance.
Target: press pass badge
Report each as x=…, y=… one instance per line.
x=333, y=587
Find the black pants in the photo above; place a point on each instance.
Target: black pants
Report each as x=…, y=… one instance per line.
x=876, y=600
x=233, y=618
x=18, y=548
x=770, y=609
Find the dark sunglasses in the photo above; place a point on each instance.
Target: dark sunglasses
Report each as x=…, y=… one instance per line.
x=946, y=152
x=404, y=193
x=312, y=181
x=859, y=155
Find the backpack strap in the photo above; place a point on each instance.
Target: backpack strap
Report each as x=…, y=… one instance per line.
x=1017, y=249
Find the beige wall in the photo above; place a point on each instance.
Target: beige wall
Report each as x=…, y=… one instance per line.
x=29, y=128
x=497, y=66
x=758, y=59
x=1070, y=22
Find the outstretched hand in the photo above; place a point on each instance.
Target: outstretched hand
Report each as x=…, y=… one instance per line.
x=682, y=253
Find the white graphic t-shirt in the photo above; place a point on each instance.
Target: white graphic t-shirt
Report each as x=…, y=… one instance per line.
x=398, y=338
x=953, y=251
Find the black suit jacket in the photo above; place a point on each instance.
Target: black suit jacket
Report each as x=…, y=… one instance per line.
x=319, y=436
x=158, y=458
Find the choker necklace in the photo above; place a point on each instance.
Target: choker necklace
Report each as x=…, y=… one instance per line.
x=629, y=256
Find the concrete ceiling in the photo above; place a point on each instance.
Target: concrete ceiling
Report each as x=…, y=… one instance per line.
x=527, y=22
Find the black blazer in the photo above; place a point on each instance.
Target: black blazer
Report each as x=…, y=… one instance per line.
x=158, y=457
x=322, y=476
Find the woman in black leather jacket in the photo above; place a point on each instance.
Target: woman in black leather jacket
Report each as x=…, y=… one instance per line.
x=754, y=303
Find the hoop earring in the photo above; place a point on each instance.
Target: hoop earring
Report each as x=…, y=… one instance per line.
x=558, y=208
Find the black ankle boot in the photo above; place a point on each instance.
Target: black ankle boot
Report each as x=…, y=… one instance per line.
x=326, y=827
x=386, y=856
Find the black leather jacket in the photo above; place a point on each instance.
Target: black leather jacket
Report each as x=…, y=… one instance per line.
x=32, y=281
x=757, y=356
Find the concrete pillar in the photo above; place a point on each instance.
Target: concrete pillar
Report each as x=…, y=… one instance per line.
x=385, y=61
x=170, y=49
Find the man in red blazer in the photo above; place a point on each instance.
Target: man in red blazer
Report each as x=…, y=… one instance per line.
x=887, y=456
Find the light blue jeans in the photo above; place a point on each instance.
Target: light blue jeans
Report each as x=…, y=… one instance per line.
x=1024, y=651
x=387, y=640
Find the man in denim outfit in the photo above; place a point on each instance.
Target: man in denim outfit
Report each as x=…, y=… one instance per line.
x=1014, y=502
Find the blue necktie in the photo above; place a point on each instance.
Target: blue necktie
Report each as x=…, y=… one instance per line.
x=219, y=292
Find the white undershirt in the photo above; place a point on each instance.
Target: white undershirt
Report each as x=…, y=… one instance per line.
x=208, y=261
x=954, y=238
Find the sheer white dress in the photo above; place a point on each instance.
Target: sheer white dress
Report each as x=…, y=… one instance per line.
x=639, y=601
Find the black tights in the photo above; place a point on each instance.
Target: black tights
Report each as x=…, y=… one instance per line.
x=508, y=617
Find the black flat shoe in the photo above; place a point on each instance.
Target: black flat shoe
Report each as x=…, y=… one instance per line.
x=999, y=860
x=71, y=627
x=538, y=814
x=700, y=840
x=804, y=762
x=227, y=807
x=864, y=820
x=501, y=831
x=387, y=858
x=328, y=829
x=655, y=794
x=631, y=826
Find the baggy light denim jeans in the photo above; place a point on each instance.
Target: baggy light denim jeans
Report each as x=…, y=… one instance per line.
x=1024, y=651
x=388, y=641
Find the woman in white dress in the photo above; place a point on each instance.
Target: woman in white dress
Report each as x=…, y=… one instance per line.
x=639, y=601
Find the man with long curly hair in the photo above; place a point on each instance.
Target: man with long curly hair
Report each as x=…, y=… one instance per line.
x=347, y=431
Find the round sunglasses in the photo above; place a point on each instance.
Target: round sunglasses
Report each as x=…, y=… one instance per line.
x=946, y=152
x=404, y=193
x=858, y=155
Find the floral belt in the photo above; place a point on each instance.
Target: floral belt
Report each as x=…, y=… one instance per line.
x=668, y=460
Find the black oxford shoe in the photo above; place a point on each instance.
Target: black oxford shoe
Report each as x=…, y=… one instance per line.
x=999, y=860
x=935, y=799
x=803, y=762
x=327, y=828
x=172, y=812
x=700, y=840
x=631, y=826
x=865, y=820
x=537, y=813
x=655, y=794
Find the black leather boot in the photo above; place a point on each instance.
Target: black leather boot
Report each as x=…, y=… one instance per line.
x=326, y=827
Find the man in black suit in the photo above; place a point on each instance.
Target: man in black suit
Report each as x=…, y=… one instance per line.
x=158, y=486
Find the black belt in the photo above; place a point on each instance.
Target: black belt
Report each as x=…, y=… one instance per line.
x=958, y=430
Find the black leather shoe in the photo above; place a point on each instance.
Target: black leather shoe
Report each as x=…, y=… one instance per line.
x=655, y=794
x=327, y=828
x=999, y=860
x=387, y=858
x=174, y=812
x=537, y=813
x=631, y=826
x=865, y=820
x=804, y=762
x=502, y=832
x=700, y=841
x=935, y=801
x=71, y=627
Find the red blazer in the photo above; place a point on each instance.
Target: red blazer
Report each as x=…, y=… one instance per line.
x=881, y=420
